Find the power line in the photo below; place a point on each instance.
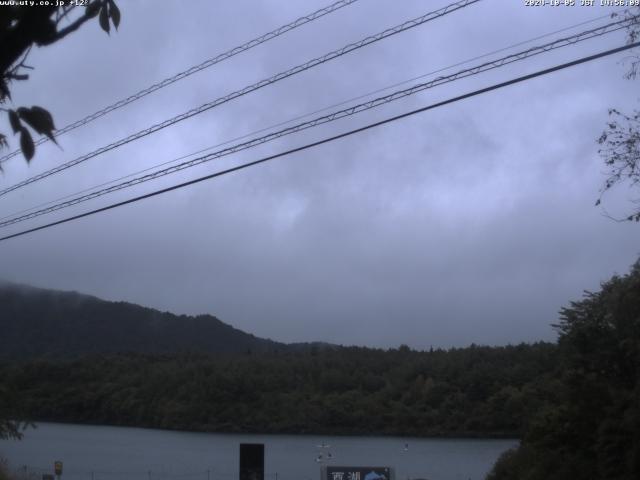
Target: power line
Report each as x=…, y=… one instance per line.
x=332, y=138
x=563, y=42
x=299, y=117
x=196, y=68
x=238, y=93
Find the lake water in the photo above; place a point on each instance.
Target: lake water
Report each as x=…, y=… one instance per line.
x=118, y=453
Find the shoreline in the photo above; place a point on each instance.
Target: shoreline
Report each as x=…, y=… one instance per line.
x=452, y=436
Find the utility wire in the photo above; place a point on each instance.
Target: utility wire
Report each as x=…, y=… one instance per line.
x=332, y=138
x=563, y=42
x=323, y=109
x=196, y=68
x=238, y=93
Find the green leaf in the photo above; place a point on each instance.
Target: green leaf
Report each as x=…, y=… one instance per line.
x=104, y=18
x=114, y=13
x=26, y=144
x=14, y=121
x=39, y=119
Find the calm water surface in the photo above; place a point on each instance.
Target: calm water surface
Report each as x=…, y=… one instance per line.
x=118, y=453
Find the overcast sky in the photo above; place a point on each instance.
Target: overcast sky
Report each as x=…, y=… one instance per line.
x=474, y=222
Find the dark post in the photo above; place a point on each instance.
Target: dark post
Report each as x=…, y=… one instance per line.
x=252, y=461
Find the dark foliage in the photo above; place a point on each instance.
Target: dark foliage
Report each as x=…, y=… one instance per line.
x=475, y=391
x=592, y=428
x=25, y=26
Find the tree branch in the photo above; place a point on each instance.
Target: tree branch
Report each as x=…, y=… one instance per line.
x=65, y=11
x=60, y=34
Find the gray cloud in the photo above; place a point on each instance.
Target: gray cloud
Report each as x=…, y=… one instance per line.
x=470, y=223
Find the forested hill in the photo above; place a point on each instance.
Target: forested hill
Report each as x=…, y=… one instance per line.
x=473, y=391
x=88, y=360
x=45, y=323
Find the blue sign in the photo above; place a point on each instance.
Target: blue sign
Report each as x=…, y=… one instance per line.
x=358, y=473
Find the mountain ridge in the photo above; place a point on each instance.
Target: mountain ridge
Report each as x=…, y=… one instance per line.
x=43, y=322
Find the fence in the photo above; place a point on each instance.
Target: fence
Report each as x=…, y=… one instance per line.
x=28, y=472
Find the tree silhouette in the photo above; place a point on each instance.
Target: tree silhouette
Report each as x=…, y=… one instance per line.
x=22, y=27
x=620, y=142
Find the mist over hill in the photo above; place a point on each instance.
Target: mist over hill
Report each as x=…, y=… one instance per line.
x=39, y=322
